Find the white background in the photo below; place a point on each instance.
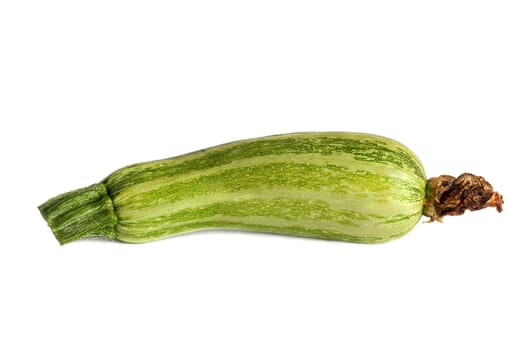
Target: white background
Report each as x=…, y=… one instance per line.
x=88, y=87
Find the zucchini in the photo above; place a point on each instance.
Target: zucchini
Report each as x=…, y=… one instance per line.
x=331, y=185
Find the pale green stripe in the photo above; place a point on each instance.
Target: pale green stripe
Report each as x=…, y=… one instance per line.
x=310, y=229
x=278, y=212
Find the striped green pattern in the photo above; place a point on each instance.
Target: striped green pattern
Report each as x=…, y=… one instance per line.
x=340, y=186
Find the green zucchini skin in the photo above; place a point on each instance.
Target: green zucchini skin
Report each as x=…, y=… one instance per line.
x=343, y=186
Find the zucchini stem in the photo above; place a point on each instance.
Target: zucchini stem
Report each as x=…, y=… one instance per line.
x=86, y=212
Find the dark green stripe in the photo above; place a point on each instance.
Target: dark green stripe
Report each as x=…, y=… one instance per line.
x=289, y=175
x=362, y=147
x=283, y=208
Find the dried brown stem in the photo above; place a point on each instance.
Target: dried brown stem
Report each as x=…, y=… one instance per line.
x=447, y=195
